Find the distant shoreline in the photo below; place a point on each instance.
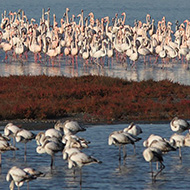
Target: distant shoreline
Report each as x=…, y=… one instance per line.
x=35, y=124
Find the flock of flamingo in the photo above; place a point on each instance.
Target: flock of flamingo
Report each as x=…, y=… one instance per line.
x=62, y=138
x=92, y=39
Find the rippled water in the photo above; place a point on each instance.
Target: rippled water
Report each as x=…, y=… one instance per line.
x=108, y=175
x=171, y=9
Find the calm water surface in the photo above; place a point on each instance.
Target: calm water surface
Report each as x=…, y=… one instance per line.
x=108, y=175
x=171, y=9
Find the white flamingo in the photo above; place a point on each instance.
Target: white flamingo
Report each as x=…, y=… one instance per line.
x=151, y=154
x=69, y=127
x=17, y=176
x=73, y=138
x=5, y=146
x=50, y=147
x=179, y=125
x=150, y=139
x=10, y=130
x=178, y=141
x=133, y=129
x=120, y=138
x=80, y=159
x=33, y=173
x=24, y=136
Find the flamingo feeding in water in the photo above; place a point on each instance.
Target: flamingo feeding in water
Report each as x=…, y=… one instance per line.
x=80, y=159
x=17, y=176
x=151, y=154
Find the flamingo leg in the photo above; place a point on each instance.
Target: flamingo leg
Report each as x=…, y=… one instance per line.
x=0, y=159
x=134, y=148
x=180, y=155
x=151, y=170
x=161, y=168
x=157, y=165
x=52, y=159
x=80, y=178
x=14, y=143
x=124, y=154
x=74, y=172
x=25, y=152
x=27, y=185
x=119, y=153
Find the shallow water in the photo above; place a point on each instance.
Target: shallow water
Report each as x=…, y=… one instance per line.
x=108, y=175
x=171, y=9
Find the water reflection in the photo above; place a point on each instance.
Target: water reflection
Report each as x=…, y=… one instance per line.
x=174, y=71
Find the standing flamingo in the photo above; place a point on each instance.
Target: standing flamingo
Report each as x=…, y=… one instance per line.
x=120, y=138
x=10, y=130
x=17, y=176
x=153, y=155
x=50, y=147
x=24, y=136
x=5, y=146
x=33, y=173
x=80, y=159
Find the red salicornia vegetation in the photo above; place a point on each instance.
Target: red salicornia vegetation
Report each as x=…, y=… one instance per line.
x=95, y=98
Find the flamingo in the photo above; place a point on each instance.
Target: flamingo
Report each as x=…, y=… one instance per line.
x=5, y=146
x=7, y=46
x=53, y=133
x=33, y=173
x=69, y=127
x=85, y=53
x=50, y=147
x=151, y=154
x=163, y=145
x=35, y=46
x=50, y=134
x=120, y=138
x=24, y=136
x=142, y=50
x=179, y=125
x=73, y=138
x=10, y=130
x=133, y=129
x=19, y=49
x=178, y=141
x=80, y=159
x=152, y=138
x=74, y=50
x=17, y=176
